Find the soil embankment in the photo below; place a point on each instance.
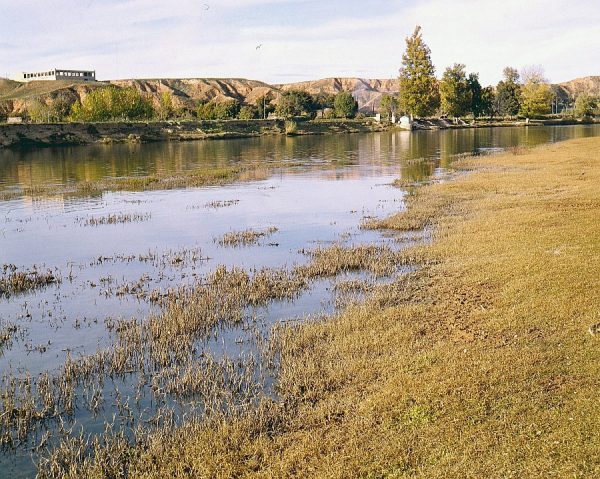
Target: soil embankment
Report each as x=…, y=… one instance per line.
x=59, y=134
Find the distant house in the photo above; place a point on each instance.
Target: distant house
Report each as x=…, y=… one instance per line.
x=59, y=74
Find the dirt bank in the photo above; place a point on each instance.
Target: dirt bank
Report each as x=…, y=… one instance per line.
x=40, y=135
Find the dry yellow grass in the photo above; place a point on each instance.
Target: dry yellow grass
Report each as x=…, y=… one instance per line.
x=480, y=365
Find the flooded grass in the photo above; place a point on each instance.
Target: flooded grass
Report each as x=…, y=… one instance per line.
x=380, y=260
x=162, y=350
x=13, y=281
x=113, y=219
x=246, y=237
x=221, y=203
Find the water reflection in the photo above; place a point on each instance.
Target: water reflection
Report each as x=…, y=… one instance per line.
x=374, y=153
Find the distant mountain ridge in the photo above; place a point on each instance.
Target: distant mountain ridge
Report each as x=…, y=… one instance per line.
x=187, y=92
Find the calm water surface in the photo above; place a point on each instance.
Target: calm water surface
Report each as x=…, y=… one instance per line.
x=326, y=188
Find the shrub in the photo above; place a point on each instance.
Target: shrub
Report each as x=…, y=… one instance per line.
x=295, y=103
x=218, y=110
x=291, y=127
x=345, y=105
x=112, y=103
x=585, y=105
x=247, y=113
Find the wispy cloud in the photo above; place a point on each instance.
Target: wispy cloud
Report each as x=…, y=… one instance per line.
x=305, y=38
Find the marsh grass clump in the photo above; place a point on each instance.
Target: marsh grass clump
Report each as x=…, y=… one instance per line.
x=419, y=214
x=117, y=218
x=13, y=281
x=380, y=260
x=7, y=332
x=353, y=286
x=221, y=203
x=246, y=237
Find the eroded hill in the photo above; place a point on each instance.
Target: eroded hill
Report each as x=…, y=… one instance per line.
x=187, y=92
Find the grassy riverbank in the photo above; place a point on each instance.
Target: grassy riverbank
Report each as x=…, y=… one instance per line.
x=478, y=365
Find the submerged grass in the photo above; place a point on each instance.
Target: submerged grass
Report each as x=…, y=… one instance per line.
x=115, y=218
x=245, y=237
x=478, y=365
x=13, y=281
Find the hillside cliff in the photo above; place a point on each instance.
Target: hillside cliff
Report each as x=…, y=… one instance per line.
x=572, y=88
x=187, y=92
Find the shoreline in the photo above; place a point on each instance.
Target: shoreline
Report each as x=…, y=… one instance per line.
x=41, y=135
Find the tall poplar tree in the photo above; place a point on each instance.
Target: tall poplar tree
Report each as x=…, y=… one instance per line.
x=419, y=94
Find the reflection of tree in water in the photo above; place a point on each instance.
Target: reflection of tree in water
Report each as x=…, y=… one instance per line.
x=64, y=165
x=415, y=171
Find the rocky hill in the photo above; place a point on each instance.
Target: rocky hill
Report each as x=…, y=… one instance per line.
x=572, y=88
x=367, y=92
x=187, y=92
x=15, y=96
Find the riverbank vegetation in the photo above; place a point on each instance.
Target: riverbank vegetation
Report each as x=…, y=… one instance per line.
x=482, y=363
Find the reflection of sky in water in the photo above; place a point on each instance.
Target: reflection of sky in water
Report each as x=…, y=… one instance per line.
x=306, y=208
x=311, y=204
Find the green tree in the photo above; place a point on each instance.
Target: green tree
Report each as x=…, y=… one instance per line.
x=218, y=110
x=419, y=94
x=508, y=93
x=295, y=103
x=536, y=93
x=247, y=113
x=324, y=100
x=389, y=105
x=38, y=112
x=477, y=101
x=165, y=105
x=585, y=105
x=455, y=92
x=488, y=101
x=345, y=105
x=264, y=105
x=60, y=107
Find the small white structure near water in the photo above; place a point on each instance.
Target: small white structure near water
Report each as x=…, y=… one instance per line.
x=405, y=123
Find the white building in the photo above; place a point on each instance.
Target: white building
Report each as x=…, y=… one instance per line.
x=59, y=74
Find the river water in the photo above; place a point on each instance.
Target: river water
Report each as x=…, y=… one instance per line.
x=320, y=192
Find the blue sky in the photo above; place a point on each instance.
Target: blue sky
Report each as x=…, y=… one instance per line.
x=296, y=39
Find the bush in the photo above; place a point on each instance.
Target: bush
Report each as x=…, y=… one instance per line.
x=585, y=105
x=345, y=105
x=247, y=113
x=218, y=110
x=291, y=127
x=295, y=103
x=112, y=103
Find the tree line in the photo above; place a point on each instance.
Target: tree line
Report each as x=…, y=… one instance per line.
x=458, y=94
x=114, y=103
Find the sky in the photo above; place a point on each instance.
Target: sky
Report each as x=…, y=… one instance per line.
x=281, y=41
